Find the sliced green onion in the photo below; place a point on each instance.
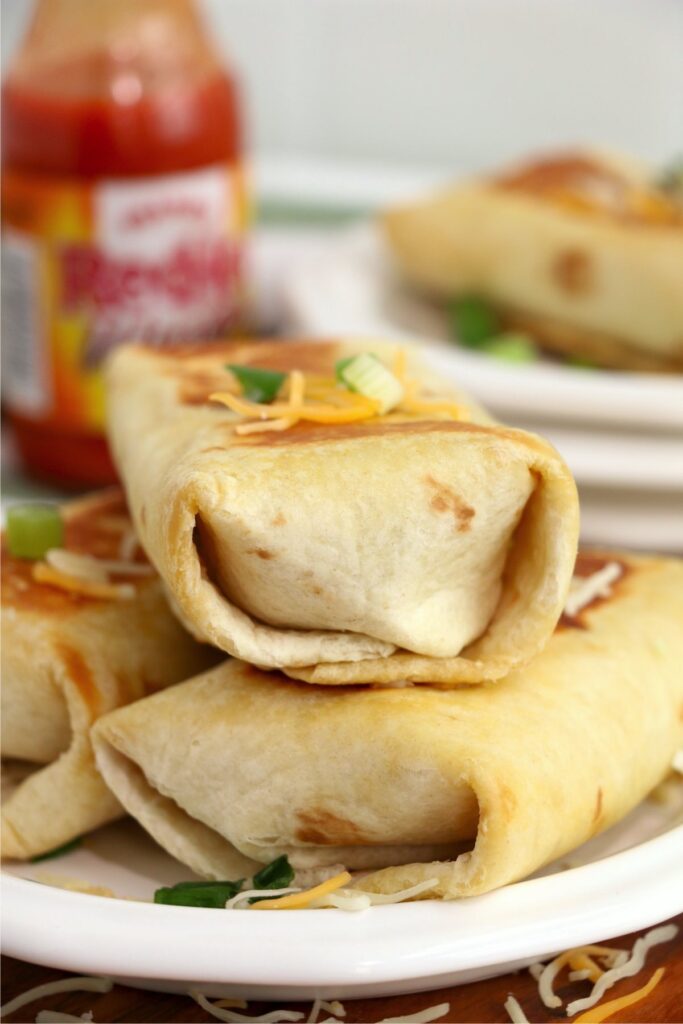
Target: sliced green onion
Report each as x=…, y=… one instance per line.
x=279, y=874
x=366, y=375
x=198, y=894
x=473, y=320
x=512, y=347
x=33, y=529
x=276, y=875
x=340, y=366
x=59, y=851
x=258, y=385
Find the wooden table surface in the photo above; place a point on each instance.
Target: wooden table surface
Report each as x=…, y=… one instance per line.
x=479, y=1003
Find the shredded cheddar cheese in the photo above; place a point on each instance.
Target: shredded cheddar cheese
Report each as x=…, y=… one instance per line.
x=44, y=573
x=300, y=900
x=317, y=399
x=601, y=1013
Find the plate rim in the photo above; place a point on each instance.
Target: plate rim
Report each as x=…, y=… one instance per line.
x=340, y=950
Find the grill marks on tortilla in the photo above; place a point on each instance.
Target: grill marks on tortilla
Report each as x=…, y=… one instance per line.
x=79, y=673
x=587, y=564
x=310, y=433
x=261, y=553
x=572, y=271
x=199, y=377
x=326, y=829
x=444, y=499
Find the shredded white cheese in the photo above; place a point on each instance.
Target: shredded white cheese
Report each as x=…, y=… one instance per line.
x=579, y=975
x=335, y=1007
x=82, y=567
x=585, y=589
x=515, y=1011
x=356, y=899
x=129, y=545
x=379, y=899
x=95, y=570
x=632, y=966
x=244, y=897
x=344, y=899
x=421, y=1017
x=232, y=1017
x=51, y=988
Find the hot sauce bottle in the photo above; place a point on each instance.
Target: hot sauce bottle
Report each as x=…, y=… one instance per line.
x=123, y=211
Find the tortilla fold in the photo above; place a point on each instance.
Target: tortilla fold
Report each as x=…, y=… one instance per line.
x=474, y=787
x=335, y=545
x=67, y=659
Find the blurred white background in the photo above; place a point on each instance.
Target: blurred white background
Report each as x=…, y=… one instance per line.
x=456, y=84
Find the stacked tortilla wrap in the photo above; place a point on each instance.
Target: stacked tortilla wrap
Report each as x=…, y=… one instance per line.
x=580, y=250
x=418, y=545
x=473, y=787
x=68, y=658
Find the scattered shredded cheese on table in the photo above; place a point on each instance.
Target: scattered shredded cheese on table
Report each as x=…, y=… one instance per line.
x=600, y=1013
x=515, y=1011
x=632, y=966
x=232, y=1017
x=619, y=964
x=51, y=988
x=425, y=1016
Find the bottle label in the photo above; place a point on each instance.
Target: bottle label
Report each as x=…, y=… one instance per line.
x=88, y=266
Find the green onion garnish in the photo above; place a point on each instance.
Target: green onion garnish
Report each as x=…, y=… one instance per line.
x=367, y=375
x=340, y=366
x=473, y=320
x=198, y=894
x=258, y=385
x=512, y=347
x=33, y=529
x=58, y=851
x=277, y=875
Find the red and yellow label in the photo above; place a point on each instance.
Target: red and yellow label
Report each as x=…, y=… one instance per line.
x=89, y=266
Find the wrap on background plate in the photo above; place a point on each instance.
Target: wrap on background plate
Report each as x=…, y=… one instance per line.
x=475, y=787
x=581, y=251
x=341, y=542
x=69, y=656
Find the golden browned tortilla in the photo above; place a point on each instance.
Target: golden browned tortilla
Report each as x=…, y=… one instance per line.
x=474, y=787
x=583, y=253
x=343, y=546
x=67, y=659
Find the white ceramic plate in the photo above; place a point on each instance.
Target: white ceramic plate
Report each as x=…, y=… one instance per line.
x=626, y=879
